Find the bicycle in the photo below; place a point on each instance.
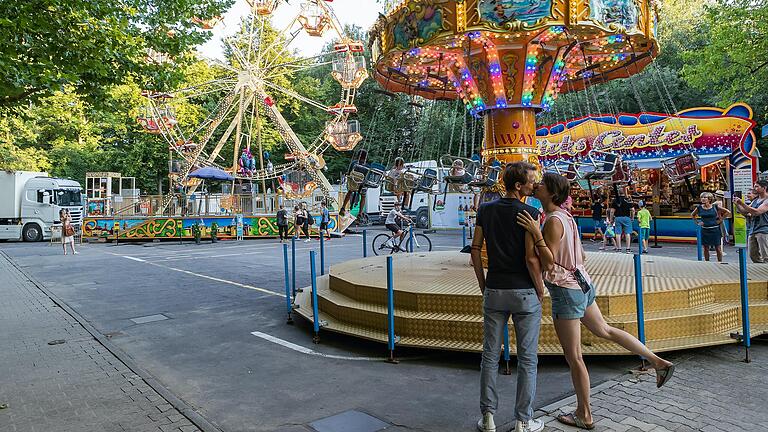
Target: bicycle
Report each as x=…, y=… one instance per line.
x=382, y=245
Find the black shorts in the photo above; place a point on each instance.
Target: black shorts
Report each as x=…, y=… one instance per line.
x=323, y=226
x=393, y=227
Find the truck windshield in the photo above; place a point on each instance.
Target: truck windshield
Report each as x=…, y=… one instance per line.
x=68, y=197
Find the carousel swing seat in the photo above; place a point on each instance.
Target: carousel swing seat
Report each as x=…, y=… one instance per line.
x=427, y=181
x=487, y=176
x=682, y=167
x=604, y=165
x=459, y=171
x=374, y=176
x=570, y=172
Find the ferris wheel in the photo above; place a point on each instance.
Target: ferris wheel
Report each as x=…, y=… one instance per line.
x=249, y=91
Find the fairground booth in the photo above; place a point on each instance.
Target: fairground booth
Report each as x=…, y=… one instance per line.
x=664, y=160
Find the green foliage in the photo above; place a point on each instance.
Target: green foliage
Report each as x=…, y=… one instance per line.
x=89, y=44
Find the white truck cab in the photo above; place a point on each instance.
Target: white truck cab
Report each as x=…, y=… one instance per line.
x=30, y=203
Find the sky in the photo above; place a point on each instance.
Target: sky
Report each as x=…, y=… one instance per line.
x=360, y=12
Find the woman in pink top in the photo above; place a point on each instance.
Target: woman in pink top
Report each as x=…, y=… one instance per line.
x=562, y=262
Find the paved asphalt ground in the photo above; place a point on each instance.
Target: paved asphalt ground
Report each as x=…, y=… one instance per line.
x=215, y=296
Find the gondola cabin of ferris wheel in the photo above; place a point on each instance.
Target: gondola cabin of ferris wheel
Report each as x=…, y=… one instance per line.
x=243, y=159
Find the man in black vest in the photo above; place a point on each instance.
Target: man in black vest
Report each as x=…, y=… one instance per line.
x=513, y=286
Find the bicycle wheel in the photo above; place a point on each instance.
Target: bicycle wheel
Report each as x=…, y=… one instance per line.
x=422, y=243
x=378, y=245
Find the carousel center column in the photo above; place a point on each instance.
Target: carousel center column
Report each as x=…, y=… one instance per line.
x=510, y=136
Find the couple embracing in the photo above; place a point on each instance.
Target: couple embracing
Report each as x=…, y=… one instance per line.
x=522, y=259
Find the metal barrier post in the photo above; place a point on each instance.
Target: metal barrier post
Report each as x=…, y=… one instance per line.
x=293, y=265
x=463, y=236
x=315, y=313
x=288, y=305
x=507, y=370
x=655, y=235
x=410, y=239
x=390, y=312
x=365, y=243
x=744, y=302
x=699, y=249
x=639, y=302
x=322, y=255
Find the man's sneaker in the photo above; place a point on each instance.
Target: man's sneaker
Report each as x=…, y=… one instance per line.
x=486, y=424
x=532, y=425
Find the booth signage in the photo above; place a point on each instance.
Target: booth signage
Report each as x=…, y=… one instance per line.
x=647, y=139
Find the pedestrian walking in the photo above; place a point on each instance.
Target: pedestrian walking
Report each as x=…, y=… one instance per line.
x=67, y=231
x=598, y=207
x=623, y=212
x=325, y=220
x=573, y=295
x=644, y=221
x=710, y=215
x=298, y=221
x=757, y=211
x=513, y=286
x=282, y=223
x=308, y=220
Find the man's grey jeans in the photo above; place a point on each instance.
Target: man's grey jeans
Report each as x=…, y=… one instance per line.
x=525, y=309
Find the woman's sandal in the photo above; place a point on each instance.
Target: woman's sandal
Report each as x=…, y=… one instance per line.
x=573, y=420
x=663, y=375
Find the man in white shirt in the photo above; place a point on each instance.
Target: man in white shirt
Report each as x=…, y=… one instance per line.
x=392, y=225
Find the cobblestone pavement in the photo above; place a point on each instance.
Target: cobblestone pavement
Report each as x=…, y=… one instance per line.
x=712, y=390
x=54, y=376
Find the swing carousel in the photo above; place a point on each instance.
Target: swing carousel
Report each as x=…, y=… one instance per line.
x=505, y=61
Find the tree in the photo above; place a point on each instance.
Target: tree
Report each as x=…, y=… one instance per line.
x=89, y=44
x=732, y=62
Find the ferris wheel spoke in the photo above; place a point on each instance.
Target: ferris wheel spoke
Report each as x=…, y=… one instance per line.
x=293, y=94
x=191, y=91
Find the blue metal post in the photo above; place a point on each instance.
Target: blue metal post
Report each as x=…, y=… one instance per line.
x=390, y=311
x=322, y=254
x=744, y=301
x=288, y=306
x=410, y=239
x=699, y=248
x=463, y=236
x=639, y=298
x=315, y=313
x=293, y=265
x=365, y=243
x=507, y=370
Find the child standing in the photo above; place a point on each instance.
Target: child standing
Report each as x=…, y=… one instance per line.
x=644, y=219
x=610, y=236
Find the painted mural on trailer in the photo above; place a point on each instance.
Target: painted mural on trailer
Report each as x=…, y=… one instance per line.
x=619, y=12
x=503, y=11
x=170, y=228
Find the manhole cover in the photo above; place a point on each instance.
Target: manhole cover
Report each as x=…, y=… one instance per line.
x=149, y=318
x=349, y=421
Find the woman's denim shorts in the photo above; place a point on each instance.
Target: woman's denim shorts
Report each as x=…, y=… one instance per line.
x=569, y=303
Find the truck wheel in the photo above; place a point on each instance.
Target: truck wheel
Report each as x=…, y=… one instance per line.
x=32, y=233
x=422, y=219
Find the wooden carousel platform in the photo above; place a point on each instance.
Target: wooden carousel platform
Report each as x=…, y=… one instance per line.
x=688, y=304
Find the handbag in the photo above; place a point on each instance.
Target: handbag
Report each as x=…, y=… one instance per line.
x=577, y=274
x=69, y=231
